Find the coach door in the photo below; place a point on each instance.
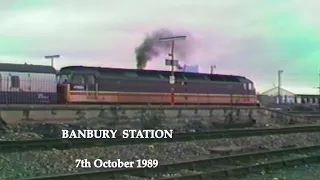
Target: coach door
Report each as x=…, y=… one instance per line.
x=91, y=87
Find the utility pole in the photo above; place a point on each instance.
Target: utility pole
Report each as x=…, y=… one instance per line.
x=279, y=85
x=319, y=91
x=172, y=62
x=318, y=98
x=212, y=68
x=52, y=58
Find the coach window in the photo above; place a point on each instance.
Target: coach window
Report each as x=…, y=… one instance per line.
x=91, y=79
x=245, y=86
x=15, y=81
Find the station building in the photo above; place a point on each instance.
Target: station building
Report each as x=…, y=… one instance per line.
x=271, y=96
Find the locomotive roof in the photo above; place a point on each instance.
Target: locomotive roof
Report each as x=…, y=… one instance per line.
x=155, y=74
x=27, y=68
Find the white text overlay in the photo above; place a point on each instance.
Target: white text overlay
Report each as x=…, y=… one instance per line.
x=112, y=134
x=99, y=163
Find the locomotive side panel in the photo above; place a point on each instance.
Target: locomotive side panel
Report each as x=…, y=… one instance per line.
x=118, y=90
x=130, y=88
x=163, y=86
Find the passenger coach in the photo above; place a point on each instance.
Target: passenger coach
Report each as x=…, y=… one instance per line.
x=79, y=84
x=27, y=84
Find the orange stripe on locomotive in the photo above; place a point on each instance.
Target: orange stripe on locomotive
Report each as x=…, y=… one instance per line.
x=159, y=98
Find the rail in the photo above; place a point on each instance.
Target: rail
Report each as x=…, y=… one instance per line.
x=285, y=113
x=213, y=167
x=243, y=170
x=49, y=144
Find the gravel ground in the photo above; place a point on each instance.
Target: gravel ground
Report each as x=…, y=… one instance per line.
x=35, y=131
x=53, y=130
x=243, y=163
x=303, y=172
x=29, y=164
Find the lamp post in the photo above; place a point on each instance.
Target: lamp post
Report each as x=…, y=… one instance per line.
x=212, y=68
x=172, y=62
x=279, y=85
x=318, y=91
x=52, y=58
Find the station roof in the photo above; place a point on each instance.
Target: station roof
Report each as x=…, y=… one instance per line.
x=274, y=92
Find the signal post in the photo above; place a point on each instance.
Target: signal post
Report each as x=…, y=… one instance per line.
x=171, y=62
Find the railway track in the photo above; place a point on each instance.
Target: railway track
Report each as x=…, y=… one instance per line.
x=49, y=144
x=222, y=167
x=106, y=106
x=313, y=116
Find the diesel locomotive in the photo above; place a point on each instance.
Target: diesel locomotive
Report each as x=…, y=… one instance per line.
x=79, y=84
x=35, y=84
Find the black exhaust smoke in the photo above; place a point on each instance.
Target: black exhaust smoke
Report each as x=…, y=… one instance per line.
x=151, y=47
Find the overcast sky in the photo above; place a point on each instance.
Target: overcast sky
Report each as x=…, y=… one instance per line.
x=248, y=37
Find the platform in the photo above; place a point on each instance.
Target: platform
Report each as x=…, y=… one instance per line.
x=18, y=113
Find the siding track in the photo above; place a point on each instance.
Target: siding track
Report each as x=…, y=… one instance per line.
x=220, y=167
x=49, y=144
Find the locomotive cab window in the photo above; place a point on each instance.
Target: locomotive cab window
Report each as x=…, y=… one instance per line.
x=252, y=86
x=78, y=79
x=15, y=81
x=245, y=86
x=91, y=79
x=63, y=78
